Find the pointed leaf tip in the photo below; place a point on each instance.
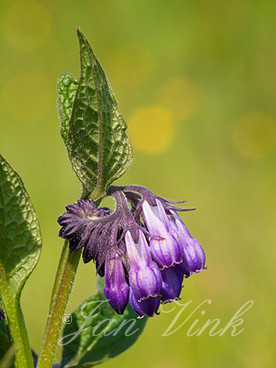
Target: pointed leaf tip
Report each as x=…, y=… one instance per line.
x=96, y=139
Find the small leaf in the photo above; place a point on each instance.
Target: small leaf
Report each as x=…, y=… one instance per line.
x=97, y=333
x=20, y=238
x=67, y=87
x=97, y=143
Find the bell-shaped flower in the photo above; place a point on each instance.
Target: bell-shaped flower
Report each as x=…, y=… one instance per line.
x=144, y=274
x=164, y=245
x=147, y=307
x=116, y=288
x=194, y=260
x=172, y=280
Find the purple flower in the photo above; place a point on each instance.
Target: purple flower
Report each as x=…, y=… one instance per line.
x=147, y=307
x=78, y=223
x=164, y=245
x=172, y=279
x=142, y=248
x=144, y=275
x=194, y=254
x=116, y=288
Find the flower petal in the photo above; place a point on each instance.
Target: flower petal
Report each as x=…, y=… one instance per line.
x=146, y=307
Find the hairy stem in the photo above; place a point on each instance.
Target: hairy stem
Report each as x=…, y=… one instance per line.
x=17, y=327
x=61, y=291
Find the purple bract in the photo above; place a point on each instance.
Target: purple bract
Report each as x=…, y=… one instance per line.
x=142, y=248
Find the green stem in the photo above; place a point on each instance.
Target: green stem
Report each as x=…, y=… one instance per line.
x=61, y=291
x=61, y=266
x=17, y=327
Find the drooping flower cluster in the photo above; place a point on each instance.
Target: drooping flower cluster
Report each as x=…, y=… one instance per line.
x=142, y=248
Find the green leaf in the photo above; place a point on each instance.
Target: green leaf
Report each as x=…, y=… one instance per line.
x=67, y=87
x=97, y=333
x=20, y=243
x=20, y=238
x=96, y=140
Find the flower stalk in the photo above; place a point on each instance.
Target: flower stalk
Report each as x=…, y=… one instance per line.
x=17, y=327
x=65, y=276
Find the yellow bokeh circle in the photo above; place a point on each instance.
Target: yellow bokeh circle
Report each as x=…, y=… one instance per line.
x=254, y=134
x=28, y=95
x=151, y=129
x=26, y=24
x=130, y=64
x=181, y=95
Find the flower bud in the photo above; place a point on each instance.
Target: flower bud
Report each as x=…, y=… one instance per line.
x=116, y=289
x=172, y=280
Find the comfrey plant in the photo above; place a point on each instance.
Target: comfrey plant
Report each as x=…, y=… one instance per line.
x=141, y=249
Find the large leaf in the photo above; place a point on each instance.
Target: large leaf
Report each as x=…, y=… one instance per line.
x=97, y=333
x=20, y=238
x=97, y=143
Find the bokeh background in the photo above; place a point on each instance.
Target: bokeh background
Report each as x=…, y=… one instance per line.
x=196, y=83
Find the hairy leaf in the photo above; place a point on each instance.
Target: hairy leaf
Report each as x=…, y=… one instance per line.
x=20, y=238
x=97, y=333
x=97, y=143
x=67, y=87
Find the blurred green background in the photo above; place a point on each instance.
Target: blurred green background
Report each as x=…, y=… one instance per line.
x=196, y=83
